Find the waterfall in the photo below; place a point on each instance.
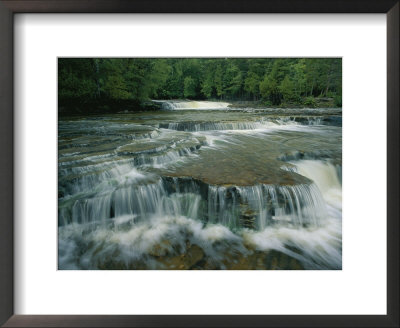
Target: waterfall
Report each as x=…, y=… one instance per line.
x=260, y=206
x=326, y=177
x=254, y=207
x=186, y=105
x=212, y=126
x=202, y=189
x=264, y=123
x=136, y=199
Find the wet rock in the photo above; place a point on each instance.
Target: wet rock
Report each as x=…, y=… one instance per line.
x=162, y=248
x=274, y=260
x=185, y=261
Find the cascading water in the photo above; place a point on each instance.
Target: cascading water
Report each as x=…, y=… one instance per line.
x=264, y=205
x=251, y=125
x=161, y=191
x=198, y=105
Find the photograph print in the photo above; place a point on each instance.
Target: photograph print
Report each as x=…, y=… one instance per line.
x=199, y=164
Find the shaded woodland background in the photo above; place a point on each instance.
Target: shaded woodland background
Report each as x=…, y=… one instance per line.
x=112, y=84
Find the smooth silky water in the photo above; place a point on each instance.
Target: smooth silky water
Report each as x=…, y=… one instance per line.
x=200, y=185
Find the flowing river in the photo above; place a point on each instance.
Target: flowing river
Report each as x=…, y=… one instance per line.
x=200, y=185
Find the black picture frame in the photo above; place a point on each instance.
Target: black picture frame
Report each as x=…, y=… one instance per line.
x=10, y=7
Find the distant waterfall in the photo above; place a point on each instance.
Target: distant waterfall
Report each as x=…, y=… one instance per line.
x=199, y=105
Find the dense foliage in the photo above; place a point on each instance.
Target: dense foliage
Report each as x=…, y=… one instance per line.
x=270, y=81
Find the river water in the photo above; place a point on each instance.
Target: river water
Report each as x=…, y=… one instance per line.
x=200, y=185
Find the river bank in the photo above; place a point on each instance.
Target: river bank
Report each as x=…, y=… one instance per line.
x=127, y=106
x=308, y=102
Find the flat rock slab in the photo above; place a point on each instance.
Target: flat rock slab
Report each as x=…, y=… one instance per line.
x=249, y=160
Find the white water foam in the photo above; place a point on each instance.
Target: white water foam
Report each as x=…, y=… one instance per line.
x=318, y=248
x=325, y=177
x=115, y=211
x=186, y=105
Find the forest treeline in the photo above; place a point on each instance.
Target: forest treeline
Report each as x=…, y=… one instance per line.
x=112, y=83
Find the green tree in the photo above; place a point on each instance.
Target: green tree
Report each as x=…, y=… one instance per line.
x=76, y=79
x=299, y=77
x=286, y=88
x=218, y=81
x=83, y=81
x=269, y=90
x=252, y=84
x=189, y=90
x=234, y=80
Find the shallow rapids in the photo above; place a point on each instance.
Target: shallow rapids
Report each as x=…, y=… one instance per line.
x=186, y=105
x=209, y=189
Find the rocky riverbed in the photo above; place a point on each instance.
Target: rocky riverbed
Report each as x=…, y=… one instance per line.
x=216, y=188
